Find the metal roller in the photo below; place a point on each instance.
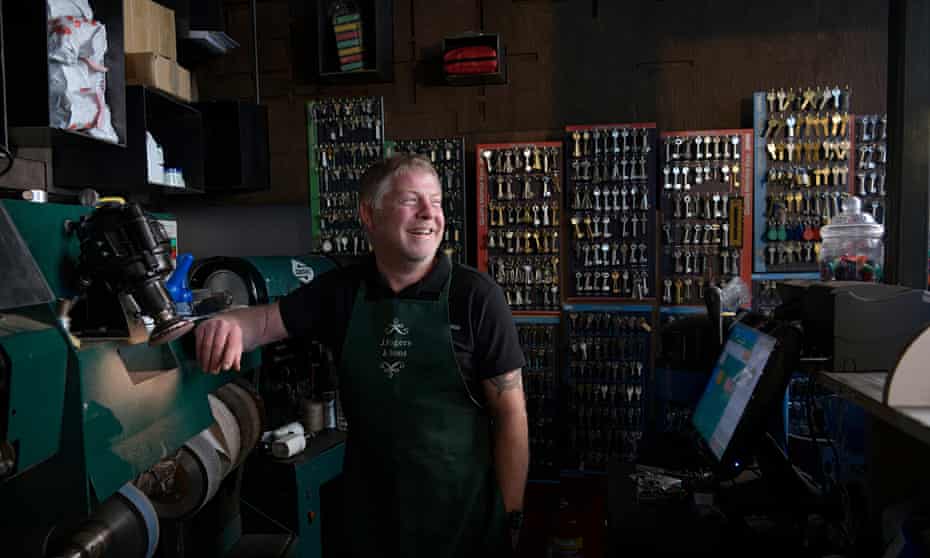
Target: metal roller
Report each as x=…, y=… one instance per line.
x=245, y=406
x=213, y=473
x=226, y=432
x=180, y=486
x=125, y=525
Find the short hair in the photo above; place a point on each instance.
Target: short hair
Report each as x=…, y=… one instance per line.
x=379, y=176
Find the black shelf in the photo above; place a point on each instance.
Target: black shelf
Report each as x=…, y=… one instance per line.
x=236, y=146
x=25, y=25
x=315, y=44
x=492, y=40
x=176, y=126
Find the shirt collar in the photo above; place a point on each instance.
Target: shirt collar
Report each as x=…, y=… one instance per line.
x=429, y=287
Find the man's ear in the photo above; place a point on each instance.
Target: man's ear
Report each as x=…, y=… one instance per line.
x=365, y=212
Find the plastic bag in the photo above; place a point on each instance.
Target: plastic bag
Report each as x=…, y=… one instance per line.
x=71, y=39
x=75, y=8
x=77, y=77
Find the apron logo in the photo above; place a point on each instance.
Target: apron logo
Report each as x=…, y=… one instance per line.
x=392, y=368
x=303, y=272
x=396, y=327
x=394, y=349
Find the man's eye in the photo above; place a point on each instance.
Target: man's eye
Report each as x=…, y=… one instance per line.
x=437, y=203
x=409, y=201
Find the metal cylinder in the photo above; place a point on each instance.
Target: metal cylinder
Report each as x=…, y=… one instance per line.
x=329, y=410
x=312, y=415
x=124, y=525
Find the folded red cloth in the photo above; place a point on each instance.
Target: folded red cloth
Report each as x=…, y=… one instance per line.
x=471, y=67
x=470, y=53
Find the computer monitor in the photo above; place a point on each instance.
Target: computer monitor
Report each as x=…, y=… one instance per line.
x=744, y=388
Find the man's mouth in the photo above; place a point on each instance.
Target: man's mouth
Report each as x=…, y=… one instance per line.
x=424, y=232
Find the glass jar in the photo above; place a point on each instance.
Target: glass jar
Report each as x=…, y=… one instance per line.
x=853, y=249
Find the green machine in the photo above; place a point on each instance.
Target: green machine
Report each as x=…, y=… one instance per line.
x=301, y=492
x=112, y=441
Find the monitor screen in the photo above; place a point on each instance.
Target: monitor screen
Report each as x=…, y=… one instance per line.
x=731, y=386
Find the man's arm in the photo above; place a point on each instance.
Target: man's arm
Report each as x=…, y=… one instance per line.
x=222, y=340
x=504, y=394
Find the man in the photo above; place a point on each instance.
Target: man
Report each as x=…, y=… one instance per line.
x=434, y=465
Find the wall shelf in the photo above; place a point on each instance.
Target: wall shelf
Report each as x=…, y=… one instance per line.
x=25, y=25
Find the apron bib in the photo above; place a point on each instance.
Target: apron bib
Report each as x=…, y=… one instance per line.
x=419, y=473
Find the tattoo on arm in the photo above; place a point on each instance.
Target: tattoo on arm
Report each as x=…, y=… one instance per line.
x=506, y=382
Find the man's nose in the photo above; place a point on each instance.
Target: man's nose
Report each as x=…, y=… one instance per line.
x=428, y=210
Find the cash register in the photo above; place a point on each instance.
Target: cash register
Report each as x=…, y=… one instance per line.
x=729, y=487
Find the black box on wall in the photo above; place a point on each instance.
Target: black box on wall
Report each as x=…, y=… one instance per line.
x=314, y=47
x=236, y=145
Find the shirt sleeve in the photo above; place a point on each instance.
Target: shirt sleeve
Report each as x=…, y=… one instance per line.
x=318, y=309
x=497, y=345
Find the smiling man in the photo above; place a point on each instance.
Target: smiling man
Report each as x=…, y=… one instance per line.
x=430, y=378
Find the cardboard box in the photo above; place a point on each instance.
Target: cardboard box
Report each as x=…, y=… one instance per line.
x=149, y=27
x=160, y=73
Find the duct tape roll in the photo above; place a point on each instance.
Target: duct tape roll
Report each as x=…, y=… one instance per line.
x=147, y=511
x=227, y=428
x=313, y=416
x=212, y=469
x=288, y=446
x=287, y=430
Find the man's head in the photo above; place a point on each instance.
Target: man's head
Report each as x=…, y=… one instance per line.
x=400, y=205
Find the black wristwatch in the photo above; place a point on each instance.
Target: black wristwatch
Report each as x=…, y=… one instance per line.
x=515, y=520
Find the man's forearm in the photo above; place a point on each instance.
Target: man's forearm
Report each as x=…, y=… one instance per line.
x=511, y=458
x=254, y=322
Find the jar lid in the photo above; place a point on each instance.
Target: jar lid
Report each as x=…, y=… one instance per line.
x=852, y=222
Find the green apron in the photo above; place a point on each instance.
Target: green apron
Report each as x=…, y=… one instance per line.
x=419, y=474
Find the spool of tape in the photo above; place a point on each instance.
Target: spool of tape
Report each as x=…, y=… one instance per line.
x=226, y=428
x=288, y=446
x=314, y=416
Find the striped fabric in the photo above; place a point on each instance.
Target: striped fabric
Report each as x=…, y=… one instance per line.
x=348, y=30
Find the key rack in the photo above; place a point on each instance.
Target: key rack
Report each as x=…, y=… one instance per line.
x=804, y=140
x=345, y=136
x=871, y=158
x=448, y=157
x=539, y=338
x=706, y=212
x=610, y=199
x=519, y=211
x=609, y=353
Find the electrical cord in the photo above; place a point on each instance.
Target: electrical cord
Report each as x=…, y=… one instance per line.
x=818, y=432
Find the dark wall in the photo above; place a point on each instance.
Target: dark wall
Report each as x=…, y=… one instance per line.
x=239, y=230
x=685, y=64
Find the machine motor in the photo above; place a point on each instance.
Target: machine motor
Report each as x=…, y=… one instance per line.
x=128, y=253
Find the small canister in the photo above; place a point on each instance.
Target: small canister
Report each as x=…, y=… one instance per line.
x=329, y=410
x=853, y=248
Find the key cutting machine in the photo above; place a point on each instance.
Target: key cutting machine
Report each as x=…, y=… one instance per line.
x=112, y=441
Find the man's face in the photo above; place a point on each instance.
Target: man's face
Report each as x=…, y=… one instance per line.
x=409, y=223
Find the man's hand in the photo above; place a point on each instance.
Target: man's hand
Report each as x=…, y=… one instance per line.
x=219, y=344
x=222, y=340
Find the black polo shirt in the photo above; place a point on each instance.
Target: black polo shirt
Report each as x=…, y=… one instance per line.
x=483, y=332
